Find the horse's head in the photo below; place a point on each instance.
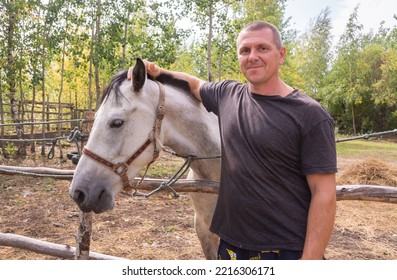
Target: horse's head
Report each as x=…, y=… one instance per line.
x=124, y=138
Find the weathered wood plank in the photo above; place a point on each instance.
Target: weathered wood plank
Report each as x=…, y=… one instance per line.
x=37, y=172
x=367, y=193
x=47, y=248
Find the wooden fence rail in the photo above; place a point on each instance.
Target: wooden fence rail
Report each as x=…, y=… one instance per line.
x=47, y=248
x=343, y=192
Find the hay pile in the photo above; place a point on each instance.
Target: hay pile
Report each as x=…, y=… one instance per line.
x=369, y=172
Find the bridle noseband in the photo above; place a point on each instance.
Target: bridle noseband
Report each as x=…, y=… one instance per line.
x=121, y=168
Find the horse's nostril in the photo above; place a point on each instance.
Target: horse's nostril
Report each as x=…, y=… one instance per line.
x=101, y=194
x=79, y=197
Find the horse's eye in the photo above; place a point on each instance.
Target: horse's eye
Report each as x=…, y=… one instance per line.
x=116, y=123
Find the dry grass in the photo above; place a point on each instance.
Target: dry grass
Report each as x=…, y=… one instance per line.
x=365, y=230
x=371, y=171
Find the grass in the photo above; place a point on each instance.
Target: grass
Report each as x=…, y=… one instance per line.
x=381, y=149
x=165, y=167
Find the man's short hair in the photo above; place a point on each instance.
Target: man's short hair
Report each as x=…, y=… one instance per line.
x=259, y=25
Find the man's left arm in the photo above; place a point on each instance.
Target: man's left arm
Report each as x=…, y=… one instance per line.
x=321, y=215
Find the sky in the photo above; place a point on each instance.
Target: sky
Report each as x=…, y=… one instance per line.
x=370, y=13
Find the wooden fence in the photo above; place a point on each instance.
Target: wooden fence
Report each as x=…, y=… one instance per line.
x=37, y=121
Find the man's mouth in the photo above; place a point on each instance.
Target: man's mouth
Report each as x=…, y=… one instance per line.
x=254, y=66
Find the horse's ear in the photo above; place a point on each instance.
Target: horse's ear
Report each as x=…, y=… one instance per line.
x=138, y=75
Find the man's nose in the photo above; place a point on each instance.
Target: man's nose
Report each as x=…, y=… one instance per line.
x=253, y=56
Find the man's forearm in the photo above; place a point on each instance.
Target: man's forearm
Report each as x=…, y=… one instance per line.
x=321, y=215
x=194, y=82
x=155, y=71
x=319, y=228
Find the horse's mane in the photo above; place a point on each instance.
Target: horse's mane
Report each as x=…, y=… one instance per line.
x=165, y=79
x=175, y=82
x=114, y=83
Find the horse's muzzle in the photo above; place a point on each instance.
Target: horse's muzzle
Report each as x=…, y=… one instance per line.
x=99, y=200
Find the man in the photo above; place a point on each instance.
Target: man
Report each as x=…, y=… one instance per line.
x=277, y=196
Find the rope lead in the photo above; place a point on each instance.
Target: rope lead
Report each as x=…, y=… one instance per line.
x=51, y=153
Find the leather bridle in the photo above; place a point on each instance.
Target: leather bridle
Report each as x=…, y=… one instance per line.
x=121, y=168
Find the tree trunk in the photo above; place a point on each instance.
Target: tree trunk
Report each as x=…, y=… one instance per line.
x=3, y=150
x=97, y=58
x=125, y=39
x=11, y=70
x=43, y=58
x=220, y=60
x=22, y=108
x=209, y=43
x=33, y=143
x=90, y=73
x=61, y=86
x=60, y=93
x=354, y=121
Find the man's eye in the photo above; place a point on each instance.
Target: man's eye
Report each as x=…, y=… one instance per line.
x=116, y=123
x=243, y=51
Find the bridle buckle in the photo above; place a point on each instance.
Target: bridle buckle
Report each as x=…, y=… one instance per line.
x=120, y=168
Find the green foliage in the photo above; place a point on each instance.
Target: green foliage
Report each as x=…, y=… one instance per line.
x=355, y=90
x=386, y=85
x=356, y=81
x=10, y=149
x=313, y=54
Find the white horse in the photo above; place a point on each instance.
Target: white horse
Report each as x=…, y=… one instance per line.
x=135, y=120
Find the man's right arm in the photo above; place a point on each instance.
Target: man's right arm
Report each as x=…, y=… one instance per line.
x=154, y=70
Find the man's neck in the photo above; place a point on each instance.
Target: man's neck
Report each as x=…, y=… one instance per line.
x=277, y=89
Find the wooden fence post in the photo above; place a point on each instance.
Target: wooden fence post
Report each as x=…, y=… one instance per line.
x=83, y=237
x=86, y=125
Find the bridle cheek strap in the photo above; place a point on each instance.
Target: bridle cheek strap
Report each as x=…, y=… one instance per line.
x=121, y=168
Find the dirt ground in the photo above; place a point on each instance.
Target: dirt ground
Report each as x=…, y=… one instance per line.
x=162, y=227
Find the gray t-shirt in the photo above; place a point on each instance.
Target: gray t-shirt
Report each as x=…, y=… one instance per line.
x=269, y=144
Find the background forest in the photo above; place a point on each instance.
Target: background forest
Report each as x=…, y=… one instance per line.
x=67, y=51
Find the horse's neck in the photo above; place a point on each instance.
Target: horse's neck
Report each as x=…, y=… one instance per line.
x=190, y=130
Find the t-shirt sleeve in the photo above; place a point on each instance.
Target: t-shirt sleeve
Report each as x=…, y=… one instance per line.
x=211, y=94
x=319, y=149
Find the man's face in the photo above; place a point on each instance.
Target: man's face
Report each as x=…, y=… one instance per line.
x=259, y=57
